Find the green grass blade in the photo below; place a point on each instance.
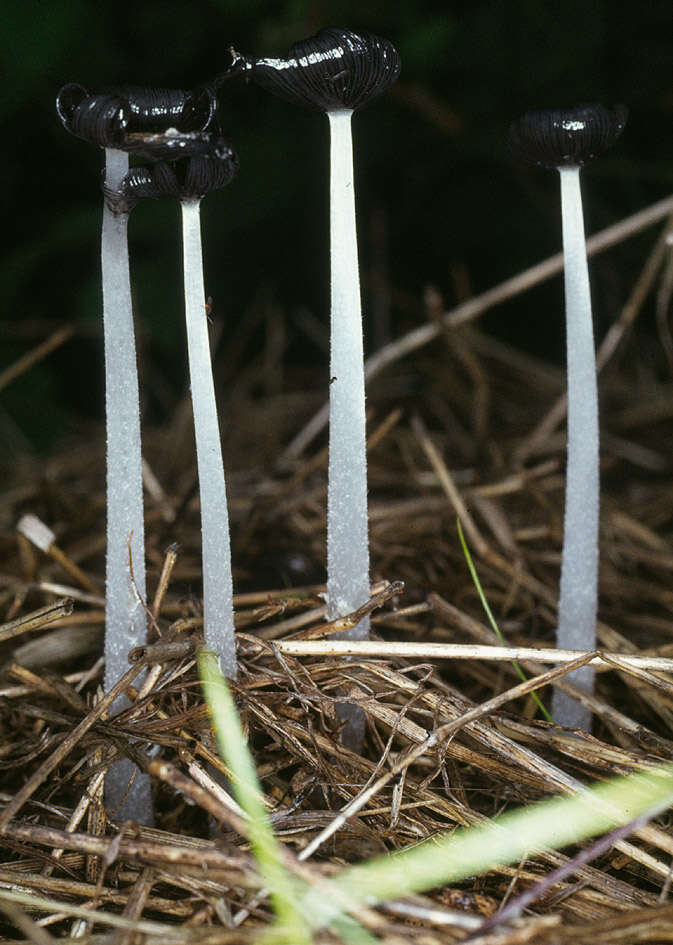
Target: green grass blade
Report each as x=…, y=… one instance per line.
x=284, y=892
x=551, y=824
x=491, y=618
x=352, y=933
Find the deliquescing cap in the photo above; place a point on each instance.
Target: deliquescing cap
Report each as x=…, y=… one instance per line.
x=566, y=137
x=189, y=178
x=335, y=69
x=124, y=116
x=175, y=131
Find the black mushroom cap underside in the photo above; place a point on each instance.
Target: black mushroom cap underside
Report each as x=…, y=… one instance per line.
x=335, y=69
x=186, y=179
x=565, y=137
x=122, y=118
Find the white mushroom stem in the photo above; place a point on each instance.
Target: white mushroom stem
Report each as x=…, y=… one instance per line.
x=347, y=524
x=579, y=566
x=125, y=620
x=218, y=601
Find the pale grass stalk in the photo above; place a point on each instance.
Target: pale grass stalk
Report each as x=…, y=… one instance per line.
x=381, y=649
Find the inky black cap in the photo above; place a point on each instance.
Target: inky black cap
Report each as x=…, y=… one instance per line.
x=120, y=117
x=335, y=69
x=566, y=137
x=192, y=177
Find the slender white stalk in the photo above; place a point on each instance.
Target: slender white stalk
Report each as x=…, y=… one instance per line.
x=347, y=525
x=125, y=621
x=218, y=599
x=579, y=567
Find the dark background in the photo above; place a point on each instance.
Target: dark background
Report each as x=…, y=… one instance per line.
x=439, y=201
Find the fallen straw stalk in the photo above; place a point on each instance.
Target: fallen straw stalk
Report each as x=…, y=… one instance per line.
x=464, y=651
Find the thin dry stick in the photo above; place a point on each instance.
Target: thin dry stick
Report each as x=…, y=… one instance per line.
x=51, y=587
x=601, y=846
x=23, y=922
x=156, y=668
x=644, y=283
x=60, y=557
x=378, y=599
x=186, y=853
x=209, y=800
x=31, y=358
x=664, y=295
x=40, y=535
x=92, y=790
x=197, y=794
x=448, y=485
x=440, y=734
x=553, y=777
x=37, y=619
x=165, y=578
x=381, y=592
x=107, y=894
x=455, y=617
x=607, y=347
x=640, y=925
x=431, y=916
x=473, y=308
x=51, y=685
x=381, y=649
x=42, y=904
x=638, y=673
x=204, y=780
x=136, y=902
x=66, y=747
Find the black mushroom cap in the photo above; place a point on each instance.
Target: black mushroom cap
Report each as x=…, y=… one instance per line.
x=185, y=179
x=122, y=117
x=566, y=137
x=335, y=69
x=171, y=145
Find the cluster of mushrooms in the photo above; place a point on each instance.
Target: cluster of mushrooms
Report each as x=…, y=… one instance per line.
x=179, y=151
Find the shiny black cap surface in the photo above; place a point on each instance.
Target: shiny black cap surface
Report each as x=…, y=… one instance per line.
x=116, y=118
x=335, y=69
x=565, y=137
x=189, y=178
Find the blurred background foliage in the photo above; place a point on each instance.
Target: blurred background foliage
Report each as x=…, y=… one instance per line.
x=439, y=201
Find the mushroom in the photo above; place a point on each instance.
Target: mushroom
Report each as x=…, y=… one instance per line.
x=566, y=140
x=113, y=120
x=338, y=71
x=188, y=181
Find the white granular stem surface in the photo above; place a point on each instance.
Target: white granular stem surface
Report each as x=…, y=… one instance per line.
x=579, y=567
x=347, y=525
x=218, y=605
x=125, y=621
